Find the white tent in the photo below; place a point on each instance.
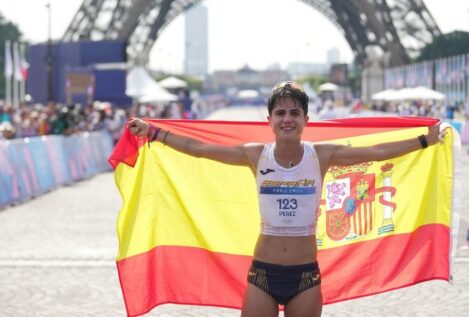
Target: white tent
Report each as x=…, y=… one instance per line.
x=386, y=95
x=418, y=93
x=247, y=93
x=415, y=93
x=328, y=87
x=144, y=88
x=423, y=93
x=172, y=82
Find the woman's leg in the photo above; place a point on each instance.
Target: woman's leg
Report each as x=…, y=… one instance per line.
x=258, y=303
x=306, y=304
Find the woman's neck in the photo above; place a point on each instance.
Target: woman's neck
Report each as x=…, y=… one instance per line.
x=288, y=154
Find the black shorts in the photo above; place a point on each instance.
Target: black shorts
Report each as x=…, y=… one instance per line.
x=282, y=282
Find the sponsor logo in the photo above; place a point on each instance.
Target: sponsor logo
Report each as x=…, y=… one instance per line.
x=299, y=183
x=298, y=187
x=267, y=171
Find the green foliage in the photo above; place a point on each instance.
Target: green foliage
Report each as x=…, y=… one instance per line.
x=8, y=31
x=314, y=80
x=355, y=81
x=450, y=44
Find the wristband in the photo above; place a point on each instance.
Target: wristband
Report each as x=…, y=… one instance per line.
x=152, y=134
x=423, y=141
x=150, y=131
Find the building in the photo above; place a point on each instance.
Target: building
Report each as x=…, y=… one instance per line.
x=244, y=78
x=299, y=69
x=333, y=56
x=196, y=43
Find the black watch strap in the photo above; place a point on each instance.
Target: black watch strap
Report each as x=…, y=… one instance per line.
x=423, y=141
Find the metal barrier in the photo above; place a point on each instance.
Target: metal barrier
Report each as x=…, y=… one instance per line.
x=32, y=166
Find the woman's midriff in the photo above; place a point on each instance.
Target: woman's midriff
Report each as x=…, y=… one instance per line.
x=286, y=250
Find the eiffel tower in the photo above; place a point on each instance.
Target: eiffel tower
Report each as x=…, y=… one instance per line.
x=399, y=27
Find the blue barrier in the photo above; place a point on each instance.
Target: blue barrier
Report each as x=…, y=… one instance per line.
x=42, y=167
x=87, y=156
x=9, y=190
x=75, y=166
x=22, y=161
x=56, y=152
x=32, y=166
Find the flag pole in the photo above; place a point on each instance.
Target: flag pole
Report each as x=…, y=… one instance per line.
x=49, y=61
x=23, y=77
x=8, y=91
x=8, y=73
x=15, y=77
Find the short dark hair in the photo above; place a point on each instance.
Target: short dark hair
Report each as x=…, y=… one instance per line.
x=288, y=89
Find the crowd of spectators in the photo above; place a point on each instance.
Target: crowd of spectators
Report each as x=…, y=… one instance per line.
x=31, y=120
x=38, y=119
x=422, y=109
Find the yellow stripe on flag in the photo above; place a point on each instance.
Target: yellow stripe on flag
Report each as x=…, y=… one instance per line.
x=186, y=201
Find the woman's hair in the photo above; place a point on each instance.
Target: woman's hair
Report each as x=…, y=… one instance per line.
x=288, y=89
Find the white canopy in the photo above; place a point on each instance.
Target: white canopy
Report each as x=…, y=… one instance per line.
x=328, y=87
x=248, y=93
x=420, y=93
x=172, y=82
x=144, y=88
x=415, y=93
x=386, y=95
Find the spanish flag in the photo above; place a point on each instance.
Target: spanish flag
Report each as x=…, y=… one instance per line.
x=188, y=226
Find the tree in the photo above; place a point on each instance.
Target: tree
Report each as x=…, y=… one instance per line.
x=450, y=44
x=315, y=80
x=8, y=31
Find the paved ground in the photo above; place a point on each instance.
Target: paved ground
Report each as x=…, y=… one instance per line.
x=57, y=259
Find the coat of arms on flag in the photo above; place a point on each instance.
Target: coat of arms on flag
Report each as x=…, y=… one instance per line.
x=353, y=197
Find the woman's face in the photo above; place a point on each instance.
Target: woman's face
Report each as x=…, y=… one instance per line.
x=288, y=119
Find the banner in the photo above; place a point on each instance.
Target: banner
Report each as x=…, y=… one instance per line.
x=188, y=226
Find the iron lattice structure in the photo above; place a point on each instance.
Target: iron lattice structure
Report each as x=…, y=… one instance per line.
x=400, y=27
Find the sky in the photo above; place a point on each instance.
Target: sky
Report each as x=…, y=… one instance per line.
x=257, y=33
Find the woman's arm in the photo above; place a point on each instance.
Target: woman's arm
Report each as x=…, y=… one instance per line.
x=235, y=155
x=340, y=155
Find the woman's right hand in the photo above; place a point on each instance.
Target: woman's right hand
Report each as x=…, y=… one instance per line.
x=138, y=127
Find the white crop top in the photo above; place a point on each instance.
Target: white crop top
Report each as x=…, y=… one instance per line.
x=289, y=197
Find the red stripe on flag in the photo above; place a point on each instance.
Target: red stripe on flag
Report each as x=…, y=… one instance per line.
x=182, y=275
x=381, y=265
x=187, y=275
